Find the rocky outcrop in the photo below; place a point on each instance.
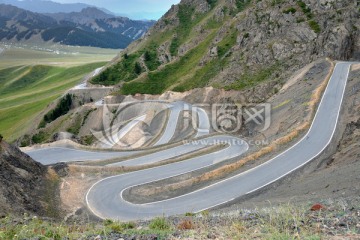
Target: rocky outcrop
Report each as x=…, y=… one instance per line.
x=21, y=181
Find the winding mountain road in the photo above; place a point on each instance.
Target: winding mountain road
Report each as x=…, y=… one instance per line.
x=105, y=198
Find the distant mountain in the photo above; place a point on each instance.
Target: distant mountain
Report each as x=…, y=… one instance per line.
x=84, y=16
x=43, y=6
x=89, y=27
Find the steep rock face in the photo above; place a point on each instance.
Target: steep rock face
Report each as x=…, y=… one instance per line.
x=240, y=43
x=20, y=181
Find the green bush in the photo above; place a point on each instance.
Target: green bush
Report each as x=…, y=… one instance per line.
x=159, y=223
x=41, y=137
x=212, y=3
x=138, y=68
x=87, y=140
x=26, y=141
x=242, y=4
x=306, y=10
x=121, y=227
x=62, y=108
x=290, y=10
x=314, y=26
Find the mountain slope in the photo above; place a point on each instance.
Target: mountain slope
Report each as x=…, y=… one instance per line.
x=235, y=44
x=90, y=27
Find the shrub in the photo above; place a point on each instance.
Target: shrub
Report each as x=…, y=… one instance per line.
x=108, y=222
x=159, y=223
x=25, y=141
x=87, y=140
x=189, y=214
x=242, y=4
x=314, y=26
x=151, y=58
x=186, y=225
x=306, y=10
x=212, y=3
x=290, y=10
x=40, y=137
x=62, y=108
x=138, y=68
x=120, y=227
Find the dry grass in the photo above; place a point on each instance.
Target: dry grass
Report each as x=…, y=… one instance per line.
x=186, y=224
x=51, y=175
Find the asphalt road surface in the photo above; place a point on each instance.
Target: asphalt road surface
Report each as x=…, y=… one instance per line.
x=52, y=155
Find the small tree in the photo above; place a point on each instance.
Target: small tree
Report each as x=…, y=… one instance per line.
x=147, y=56
x=138, y=68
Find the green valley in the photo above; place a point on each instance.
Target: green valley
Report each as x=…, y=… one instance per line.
x=27, y=90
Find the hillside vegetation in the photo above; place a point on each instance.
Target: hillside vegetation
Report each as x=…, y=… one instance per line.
x=234, y=44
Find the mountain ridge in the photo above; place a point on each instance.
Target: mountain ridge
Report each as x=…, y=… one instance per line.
x=90, y=27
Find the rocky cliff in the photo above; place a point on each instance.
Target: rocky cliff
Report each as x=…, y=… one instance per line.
x=235, y=44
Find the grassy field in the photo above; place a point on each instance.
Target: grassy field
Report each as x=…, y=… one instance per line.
x=54, y=55
x=30, y=79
